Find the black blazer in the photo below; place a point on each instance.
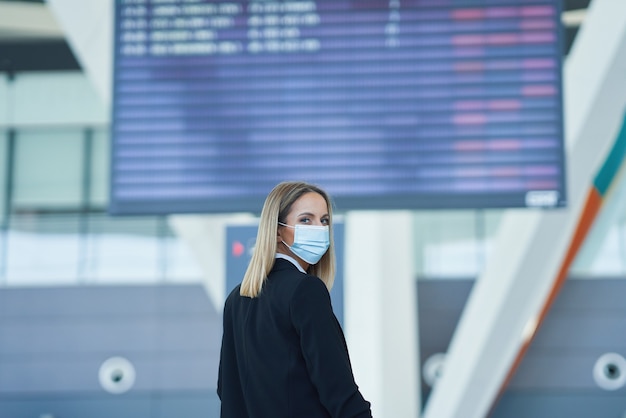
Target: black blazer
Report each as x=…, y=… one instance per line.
x=284, y=354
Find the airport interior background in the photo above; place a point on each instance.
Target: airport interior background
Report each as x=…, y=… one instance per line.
x=448, y=313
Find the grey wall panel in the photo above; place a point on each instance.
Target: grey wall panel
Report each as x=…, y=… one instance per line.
x=142, y=405
x=50, y=374
x=555, y=378
x=186, y=370
x=447, y=295
x=436, y=330
x=200, y=405
x=440, y=305
x=76, y=407
x=557, y=370
x=54, y=340
x=588, y=329
x=104, y=300
x=186, y=332
x=536, y=404
x=80, y=300
x=608, y=294
x=78, y=335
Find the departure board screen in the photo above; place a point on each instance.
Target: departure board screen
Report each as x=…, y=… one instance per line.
x=393, y=104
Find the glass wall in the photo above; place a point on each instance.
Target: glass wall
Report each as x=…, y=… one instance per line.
x=458, y=244
x=453, y=244
x=54, y=175
x=54, y=229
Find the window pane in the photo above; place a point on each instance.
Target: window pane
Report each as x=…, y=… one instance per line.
x=48, y=168
x=42, y=249
x=122, y=250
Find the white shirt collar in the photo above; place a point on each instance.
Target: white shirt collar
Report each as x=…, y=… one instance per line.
x=291, y=260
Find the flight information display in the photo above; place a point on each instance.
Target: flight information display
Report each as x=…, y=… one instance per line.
x=396, y=104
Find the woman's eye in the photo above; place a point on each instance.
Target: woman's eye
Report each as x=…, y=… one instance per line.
x=305, y=220
x=325, y=221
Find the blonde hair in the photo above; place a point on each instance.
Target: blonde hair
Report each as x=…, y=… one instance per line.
x=275, y=209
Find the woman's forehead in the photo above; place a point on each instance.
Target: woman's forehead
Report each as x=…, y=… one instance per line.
x=312, y=203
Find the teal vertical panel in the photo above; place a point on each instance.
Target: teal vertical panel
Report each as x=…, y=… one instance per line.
x=613, y=162
x=4, y=164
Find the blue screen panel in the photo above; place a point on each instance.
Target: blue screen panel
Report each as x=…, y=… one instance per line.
x=386, y=104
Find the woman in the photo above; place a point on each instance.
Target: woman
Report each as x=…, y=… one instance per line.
x=283, y=351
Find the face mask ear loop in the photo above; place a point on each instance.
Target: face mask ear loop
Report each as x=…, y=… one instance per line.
x=282, y=240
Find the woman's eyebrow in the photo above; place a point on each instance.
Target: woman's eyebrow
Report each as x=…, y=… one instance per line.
x=311, y=214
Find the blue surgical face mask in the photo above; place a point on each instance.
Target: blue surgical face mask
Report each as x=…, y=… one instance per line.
x=310, y=242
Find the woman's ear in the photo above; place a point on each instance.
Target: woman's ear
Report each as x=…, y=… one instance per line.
x=278, y=237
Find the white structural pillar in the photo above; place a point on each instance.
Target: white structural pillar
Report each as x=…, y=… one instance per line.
x=88, y=28
x=502, y=311
x=381, y=312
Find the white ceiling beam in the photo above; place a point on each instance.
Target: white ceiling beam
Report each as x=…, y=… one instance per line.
x=88, y=28
x=24, y=21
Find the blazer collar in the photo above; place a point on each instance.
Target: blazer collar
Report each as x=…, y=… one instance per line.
x=291, y=260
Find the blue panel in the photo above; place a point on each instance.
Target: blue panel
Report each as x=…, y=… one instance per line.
x=560, y=405
x=385, y=104
x=77, y=407
x=187, y=405
x=147, y=405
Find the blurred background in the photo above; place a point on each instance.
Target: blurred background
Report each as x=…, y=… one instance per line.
x=120, y=316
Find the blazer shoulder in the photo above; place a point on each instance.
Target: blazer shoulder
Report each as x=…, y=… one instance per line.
x=312, y=287
x=232, y=296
